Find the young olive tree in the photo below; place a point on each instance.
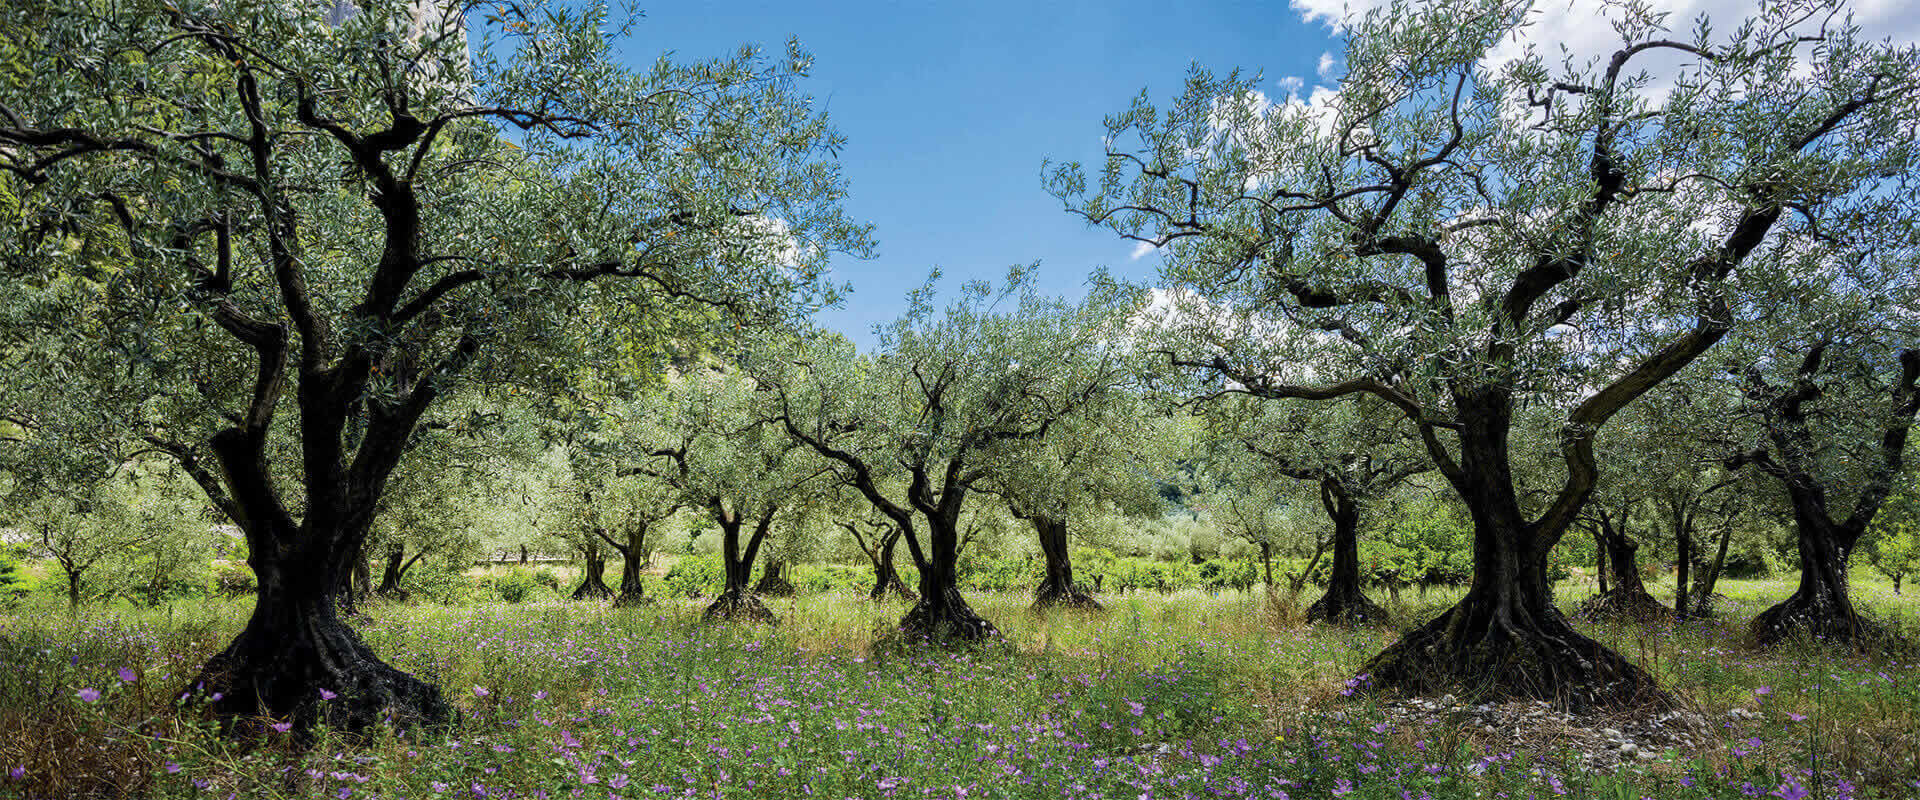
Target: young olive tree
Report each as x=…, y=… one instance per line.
x=710, y=438
x=306, y=230
x=1354, y=453
x=1107, y=458
x=946, y=403
x=1463, y=237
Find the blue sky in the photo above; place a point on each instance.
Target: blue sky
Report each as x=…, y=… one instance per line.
x=949, y=109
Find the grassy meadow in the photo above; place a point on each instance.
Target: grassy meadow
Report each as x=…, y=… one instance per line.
x=1184, y=695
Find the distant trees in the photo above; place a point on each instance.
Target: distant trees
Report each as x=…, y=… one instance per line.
x=917, y=428
x=1464, y=237
x=1352, y=453
x=305, y=238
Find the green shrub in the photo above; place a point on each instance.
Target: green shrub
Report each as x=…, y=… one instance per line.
x=234, y=578
x=696, y=576
x=441, y=585
x=13, y=579
x=515, y=585
x=545, y=576
x=817, y=578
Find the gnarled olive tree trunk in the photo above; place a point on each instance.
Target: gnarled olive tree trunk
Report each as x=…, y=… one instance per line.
x=737, y=600
x=1058, y=588
x=1505, y=639
x=1628, y=598
x=593, y=571
x=942, y=614
x=1821, y=607
x=1344, y=603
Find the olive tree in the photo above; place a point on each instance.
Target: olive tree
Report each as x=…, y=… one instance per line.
x=947, y=401
x=1353, y=453
x=711, y=438
x=1463, y=236
x=306, y=232
x=1837, y=468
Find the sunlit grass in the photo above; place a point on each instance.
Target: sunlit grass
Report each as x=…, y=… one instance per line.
x=1186, y=694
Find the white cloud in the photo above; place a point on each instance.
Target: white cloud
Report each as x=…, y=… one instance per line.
x=1292, y=84
x=1332, y=12
x=1140, y=250
x=1583, y=27
x=1327, y=63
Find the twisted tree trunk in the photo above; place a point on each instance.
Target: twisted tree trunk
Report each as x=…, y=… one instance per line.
x=773, y=583
x=1505, y=639
x=1629, y=598
x=942, y=614
x=593, y=573
x=737, y=600
x=886, y=579
x=1058, y=588
x=1821, y=607
x=633, y=561
x=1344, y=603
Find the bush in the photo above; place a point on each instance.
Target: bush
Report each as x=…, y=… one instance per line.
x=1000, y=574
x=440, y=585
x=13, y=579
x=817, y=578
x=545, y=576
x=1221, y=574
x=515, y=585
x=234, y=578
x=696, y=576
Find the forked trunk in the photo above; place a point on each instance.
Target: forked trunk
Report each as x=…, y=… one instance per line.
x=1628, y=599
x=395, y=571
x=737, y=600
x=773, y=582
x=1710, y=578
x=295, y=646
x=633, y=561
x=886, y=579
x=1344, y=603
x=1505, y=640
x=942, y=615
x=1058, y=589
x=593, y=574
x=1821, y=607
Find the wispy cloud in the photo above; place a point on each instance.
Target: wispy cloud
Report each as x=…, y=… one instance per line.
x=1140, y=250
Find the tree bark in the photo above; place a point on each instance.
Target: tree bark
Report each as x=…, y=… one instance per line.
x=1628, y=598
x=942, y=614
x=773, y=583
x=1821, y=607
x=1344, y=603
x=295, y=645
x=523, y=555
x=1600, y=560
x=593, y=573
x=395, y=571
x=886, y=578
x=737, y=600
x=1058, y=588
x=1505, y=640
x=633, y=561
x=73, y=587
x=1703, y=592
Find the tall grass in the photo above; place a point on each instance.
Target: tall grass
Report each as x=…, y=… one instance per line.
x=1184, y=695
